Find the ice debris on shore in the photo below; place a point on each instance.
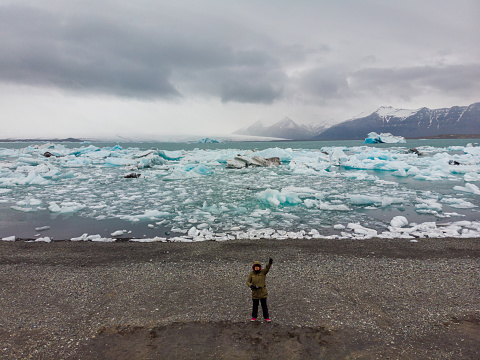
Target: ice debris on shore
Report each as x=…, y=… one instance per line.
x=304, y=193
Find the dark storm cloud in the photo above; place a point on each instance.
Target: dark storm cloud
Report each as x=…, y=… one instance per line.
x=322, y=84
x=109, y=55
x=247, y=52
x=42, y=49
x=250, y=77
x=407, y=82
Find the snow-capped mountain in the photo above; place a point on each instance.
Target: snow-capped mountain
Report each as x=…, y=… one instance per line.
x=285, y=129
x=409, y=123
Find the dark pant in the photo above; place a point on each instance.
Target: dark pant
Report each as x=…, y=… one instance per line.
x=264, y=308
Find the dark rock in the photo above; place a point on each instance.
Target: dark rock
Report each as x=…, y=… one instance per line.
x=274, y=161
x=132, y=176
x=415, y=151
x=453, y=162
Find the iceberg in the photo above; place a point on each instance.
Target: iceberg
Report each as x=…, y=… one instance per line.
x=470, y=188
x=458, y=203
x=276, y=198
x=240, y=162
x=284, y=155
x=399, y=221
x=9, y=238
x=428, y=206
x=208, y=141
x=387, y=138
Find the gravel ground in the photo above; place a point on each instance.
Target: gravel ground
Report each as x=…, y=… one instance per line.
x=334, y=299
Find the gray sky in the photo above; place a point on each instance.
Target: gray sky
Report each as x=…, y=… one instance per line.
x=91, y=68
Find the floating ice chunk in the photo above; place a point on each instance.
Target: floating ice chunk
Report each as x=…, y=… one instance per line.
x=358, y=229
x=147, y=215
x=24, y=209
x=118, y=233
x=276, y=198
x=400, y=173
x=310, y=203
x=4, y=191
x=365, y=200
x=323, y=205
x=149, y=161
x=66, y=207
x=458, y=203
x=29, y=202
x=471, y=176
x=472, y=150
x=360, y=175
x=70, y=207
x=202, y=170
x=259, y=213
x=302, y=169
x=83, y=237
x=240, y=162
x=399, y=221
x=302, y=191
x=44, y=239
x=114, y=161
x=171, y=155
x=9, y=238
x=339, y=227
x=33, y=179
x=27, y=159
x=42, y=228
x=28, y=205
x=77, y=162
x=428, y=206
x=189, y=171
x=374, y=138
x=413, y=171
x=283, y=154
x=470, y=188
x=236, y=164
x=54, y=207
x=259, y=161
x=337, y=156
x=434, y=174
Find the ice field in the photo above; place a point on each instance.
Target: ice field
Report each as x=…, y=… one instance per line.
x=330, y=189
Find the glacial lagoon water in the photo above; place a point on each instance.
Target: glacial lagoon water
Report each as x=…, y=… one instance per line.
x=341, y=189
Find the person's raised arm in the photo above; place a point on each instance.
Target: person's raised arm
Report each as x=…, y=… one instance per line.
x=269, y=265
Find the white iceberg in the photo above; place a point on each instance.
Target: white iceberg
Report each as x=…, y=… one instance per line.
x=399, y=221
x=387, y=138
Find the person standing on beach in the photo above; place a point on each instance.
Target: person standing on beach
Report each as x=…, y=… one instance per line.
x=256, y=282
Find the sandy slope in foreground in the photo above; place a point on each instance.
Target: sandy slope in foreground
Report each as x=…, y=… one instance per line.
x=328, y=299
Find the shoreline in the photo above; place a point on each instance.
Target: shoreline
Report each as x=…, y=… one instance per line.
x=365, y=299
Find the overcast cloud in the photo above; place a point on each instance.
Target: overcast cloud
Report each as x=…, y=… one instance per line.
x=90, y=68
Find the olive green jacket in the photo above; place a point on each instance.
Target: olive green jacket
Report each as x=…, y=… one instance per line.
x=258, y=279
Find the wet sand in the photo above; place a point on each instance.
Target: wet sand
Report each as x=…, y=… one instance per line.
x=330, y=299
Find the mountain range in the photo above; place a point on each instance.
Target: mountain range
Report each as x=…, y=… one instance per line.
x=423, y=122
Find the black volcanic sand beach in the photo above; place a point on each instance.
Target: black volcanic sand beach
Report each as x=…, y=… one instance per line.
x=329, y=299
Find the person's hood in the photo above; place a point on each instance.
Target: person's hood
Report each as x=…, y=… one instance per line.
x=256, y=263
